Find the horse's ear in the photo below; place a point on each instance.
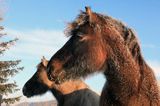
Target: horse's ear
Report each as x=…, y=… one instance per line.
x=44, y=61
x=89, y=13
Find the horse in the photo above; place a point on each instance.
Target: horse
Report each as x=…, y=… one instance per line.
x=100, y=43
x=69, y=93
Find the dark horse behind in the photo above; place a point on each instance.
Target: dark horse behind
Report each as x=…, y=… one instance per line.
x=99, y=43
x=69, y=93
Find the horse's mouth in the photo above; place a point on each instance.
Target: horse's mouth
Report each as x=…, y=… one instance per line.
x=28, y=96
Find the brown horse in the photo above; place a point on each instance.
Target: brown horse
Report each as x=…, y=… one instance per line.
x=69, y=93
x=99, y=43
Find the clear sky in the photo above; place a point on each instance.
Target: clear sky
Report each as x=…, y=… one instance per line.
x=39, y=25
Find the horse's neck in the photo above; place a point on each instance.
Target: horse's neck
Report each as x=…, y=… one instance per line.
x=66, y=88
x=122, y=71
x=128, y=76
x=58, y=95
x=71, y=86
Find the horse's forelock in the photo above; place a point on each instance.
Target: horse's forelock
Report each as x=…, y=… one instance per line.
x=72, y=26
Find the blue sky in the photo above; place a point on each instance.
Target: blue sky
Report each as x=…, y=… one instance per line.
x=39, y=25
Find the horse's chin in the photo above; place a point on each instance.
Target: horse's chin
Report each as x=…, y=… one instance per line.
x=28, y=95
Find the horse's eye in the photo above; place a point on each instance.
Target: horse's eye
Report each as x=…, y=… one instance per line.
x=80, y=34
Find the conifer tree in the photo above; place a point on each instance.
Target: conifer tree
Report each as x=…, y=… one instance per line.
x=8, y=68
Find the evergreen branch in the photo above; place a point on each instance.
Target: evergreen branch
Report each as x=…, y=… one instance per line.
x=3, y=80
x=11, y=100
x=9, y=64
x=5, y=45
x=10, y=72
x=9, y=88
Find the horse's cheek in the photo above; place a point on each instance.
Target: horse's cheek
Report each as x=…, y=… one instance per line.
x=100, y=59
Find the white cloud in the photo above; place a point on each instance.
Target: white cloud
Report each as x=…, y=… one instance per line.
x=36, y=42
